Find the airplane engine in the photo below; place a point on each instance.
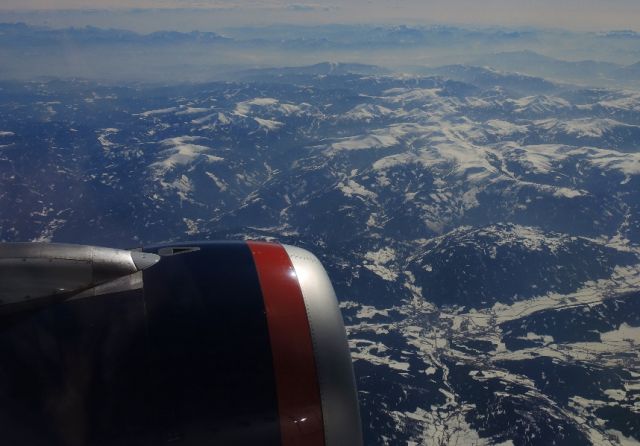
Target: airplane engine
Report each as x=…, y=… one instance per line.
x=221, y=343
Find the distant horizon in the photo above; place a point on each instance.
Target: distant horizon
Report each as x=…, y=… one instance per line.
x=123, y=46
x=426, y=25
x=464, y=26
x=570, y=15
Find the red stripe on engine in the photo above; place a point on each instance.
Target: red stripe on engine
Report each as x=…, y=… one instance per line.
x=299, y=403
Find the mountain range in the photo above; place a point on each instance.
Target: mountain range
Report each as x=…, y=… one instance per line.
x=481, y=227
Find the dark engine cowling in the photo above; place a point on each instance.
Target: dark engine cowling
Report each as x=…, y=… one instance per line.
x=238, y=343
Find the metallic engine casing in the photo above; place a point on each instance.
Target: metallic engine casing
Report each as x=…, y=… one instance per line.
x=340, y=410
x=34, y=270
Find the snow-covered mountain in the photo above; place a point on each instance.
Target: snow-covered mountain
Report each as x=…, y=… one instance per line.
x=482, y=228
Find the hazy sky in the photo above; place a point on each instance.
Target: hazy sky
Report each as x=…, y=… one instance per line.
x=572, y=14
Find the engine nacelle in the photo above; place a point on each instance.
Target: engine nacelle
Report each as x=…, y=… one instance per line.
x=238, y=343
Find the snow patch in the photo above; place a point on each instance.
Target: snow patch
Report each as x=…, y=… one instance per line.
x=377, y=140
x=378, y=263
x=218, y=182
x=191, y=111
x=565, y=192
x=624, y=333
x=350, y=188
x=181, y=151
x=159, y=111
x=504, y=128
x=268, y=124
